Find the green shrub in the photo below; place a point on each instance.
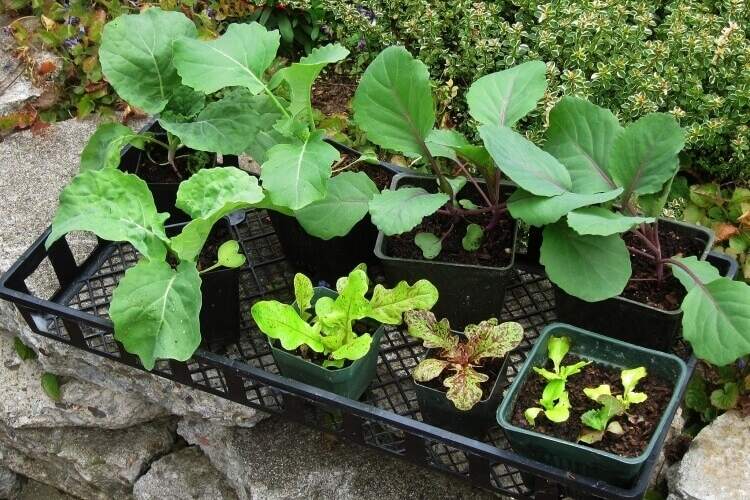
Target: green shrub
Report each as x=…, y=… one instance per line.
x=687, y=57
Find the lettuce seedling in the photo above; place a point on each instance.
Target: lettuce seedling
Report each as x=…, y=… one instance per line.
x=395, y=108
x=156, y=305
x=462, y=356
x=555, y=399
x=327, y=327
x=596, y=180
x=144, y=42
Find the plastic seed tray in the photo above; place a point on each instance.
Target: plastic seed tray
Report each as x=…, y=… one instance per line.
x=386, y=418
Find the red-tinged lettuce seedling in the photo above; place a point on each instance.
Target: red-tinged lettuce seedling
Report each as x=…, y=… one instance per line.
x=156, y=305
x=596, y=180
x=487, y=340
x=327, y=327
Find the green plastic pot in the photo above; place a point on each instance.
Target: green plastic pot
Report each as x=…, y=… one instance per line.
x=350, y=381
x=578, y=458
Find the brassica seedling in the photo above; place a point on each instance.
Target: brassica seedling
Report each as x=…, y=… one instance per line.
x=486, y=340
x=327, y=327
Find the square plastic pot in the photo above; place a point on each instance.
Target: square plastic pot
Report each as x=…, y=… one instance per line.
x=626, y=319
x=578, y=458
x=439, y=411
x=350, y=381
x=468, y=293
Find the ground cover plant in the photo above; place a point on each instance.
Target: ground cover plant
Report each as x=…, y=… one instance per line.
x=156, y=305
x=330, y=330
x=588, y=245
x=466, y=358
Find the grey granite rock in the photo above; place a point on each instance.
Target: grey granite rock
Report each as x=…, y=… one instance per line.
x=34, y=490
x=10, y=484
x=186, y=474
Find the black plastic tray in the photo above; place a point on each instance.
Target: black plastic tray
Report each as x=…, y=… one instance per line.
x=388, y=416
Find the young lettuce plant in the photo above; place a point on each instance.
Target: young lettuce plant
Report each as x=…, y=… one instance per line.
x=598, y=421
x=394, y=106
x=590, y=160
x=555, y=399
x=155, y=307
x=137, y=58
x=328, y=327
x=485, y=341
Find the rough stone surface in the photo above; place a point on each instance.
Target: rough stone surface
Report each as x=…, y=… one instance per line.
x=186, y=474
x=281, y=460
x=34, y=490
x=717, y=465
x=23, y=403
x=10, y=483
x=87, y=463
x=659, y=476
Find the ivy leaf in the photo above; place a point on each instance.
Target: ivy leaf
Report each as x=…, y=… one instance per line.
x=236, y=59
x=716, y=320
x=136, y=55
x=463, y=387
x=51, y=386
x=602, y=222
x=115, y=206
x=297, y=174
x=428, y=369
x=393, y=103
x=493, y=340
x=581, y=135
x=156, y=309
x=398, y=211
x=104, y=146
x=445, y=142
x=532, y=168
x=592, y=268
x=705, y=272
x=541, y=210
x=727, y=397
x=346, y=202
x=644, y=156
x=229, y=255
x=472, y=240
x=423, y=325
x=303, y=293
x=355, y=349
x=282, y=322
x=696, y=394
x=430, y=245
x=224, y=126
x=22, y=350
x=389, y=305
x=504, y=97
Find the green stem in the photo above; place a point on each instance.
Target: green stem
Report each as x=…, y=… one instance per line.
x=210, y=268
x=278, y=104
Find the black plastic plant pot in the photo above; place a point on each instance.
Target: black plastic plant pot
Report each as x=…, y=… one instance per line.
x=626, y=319
x=468, y=293
x=578, y=458
x=351, y=381
x=439, y=411
x=164, y=193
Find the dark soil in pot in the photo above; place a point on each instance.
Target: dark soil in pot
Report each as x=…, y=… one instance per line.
x=639, y=424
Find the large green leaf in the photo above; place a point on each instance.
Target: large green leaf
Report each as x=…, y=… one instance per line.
x=704, y=271
x=504, y=97
x=301, y=75
x=345, y=204
x=224, y=126
x=104, y=146
x=389, y=305
x=355, y=349
x=644, y=155
x=297, y=174
x=156, y=309
x=282, y=322
x=445, y=143
x=115, y=206
x=266, y=136
x=716, y=320
x=399, y=211
x=393, y=103
x=581, y=135
x=530, y=167
x=236, y=59
x=542, y=210
x=592, y=268
x=602, y=222
x=136, y=56
x=184, y=104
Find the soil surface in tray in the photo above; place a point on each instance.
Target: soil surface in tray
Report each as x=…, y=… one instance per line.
x=491, y=369
x=639, y=423
x=495, y=251
x=380, y=176
x=332, y=94
x=156, y=168
x=219, y=234
x=642, y=288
